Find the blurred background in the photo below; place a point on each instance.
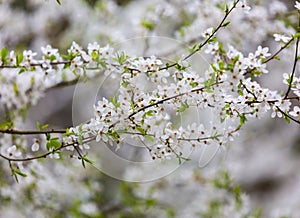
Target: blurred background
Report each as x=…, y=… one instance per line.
x=264, y=160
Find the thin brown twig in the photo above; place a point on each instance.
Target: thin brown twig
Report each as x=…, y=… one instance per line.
x=31, y=132
x=91, y=138
x=295, y=61
x=287, y=115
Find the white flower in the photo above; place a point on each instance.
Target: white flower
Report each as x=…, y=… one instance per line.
x=297, y=5
x=212, y=48
x=286, y=78
x=243, y=4
x=281, y=38
x=76, y=63
x=262, y=52
x=208, y=32
x=53, y=155
x=49, y=51
x=35, y=146
x=283, y=106
x=93, y=47
x=13, y=152
x=295, y=112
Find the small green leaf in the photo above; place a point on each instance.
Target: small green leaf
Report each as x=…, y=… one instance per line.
x=221, y=64
x=19, y=172
x=287, y=119
x=6, y=125
x=213, y=39
x=94, y=55
x=22, y=70
x=19, y=59
x=52, y=58
x=238, y=197
x=48, y=136
x=150, y=113
x=183, y=107
x=193, y=84
x=16, y=90
x=141, y=130
x=243, y=119
x=68, y=133
x=125, y=84
x=53, y=143
x=40, y=127
x=226, y=24
x=4, y=53
x=58, y=1
x=148, y=25
x=226, y=8
x=48, y=146
x=240, y=92
x=84, y=159
x=114, y=101
x=150, y=138
x=277, y=58
x=297, y=35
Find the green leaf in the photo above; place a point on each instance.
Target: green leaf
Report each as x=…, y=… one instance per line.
x=287, y=119
x=240, y=92
x=40, y=127
x=68, y=133
x=114, y=101
x=121, y=58
x=213, y=39
x=125, y=84
x=147, y=24
x=297, y=35
x=22, y=70
x=58, y=1
x=19, y=59
x=226, y=9
x=193, y=84
x=48, y=146
x=4, y=53
x=6, y=125
x=16, y=171
x=48, y=136
x=183, y=107
x=150, y=113
x=210, y=81
x=226, y=24
x=150, y=202
x=84, y=159
x=16, y=90
x=149, y=137
x=243, y=119
x=52, y=58
x=53, y=143
x=141, y=130
x=94, y=55
x=277, y=58
x=221, y=64
x=238, y=197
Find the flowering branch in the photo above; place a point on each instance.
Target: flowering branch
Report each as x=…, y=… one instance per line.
x=207, y=40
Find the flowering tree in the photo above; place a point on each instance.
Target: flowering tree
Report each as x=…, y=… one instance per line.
x=153, y=97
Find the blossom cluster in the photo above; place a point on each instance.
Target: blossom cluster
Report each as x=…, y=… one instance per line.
x=143, y=110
